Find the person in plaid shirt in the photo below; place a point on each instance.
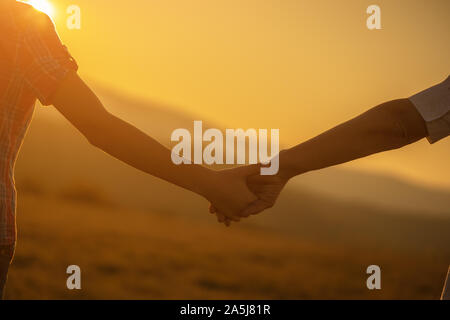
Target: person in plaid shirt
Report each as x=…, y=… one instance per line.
x=35, y=65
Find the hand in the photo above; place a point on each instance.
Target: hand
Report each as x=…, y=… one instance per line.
x=229, y=193
x=267, y=189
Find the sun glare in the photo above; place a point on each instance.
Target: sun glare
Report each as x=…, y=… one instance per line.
x=42, y=5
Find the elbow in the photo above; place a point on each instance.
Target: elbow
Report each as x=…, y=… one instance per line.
x=96, y=132
x=406, y=124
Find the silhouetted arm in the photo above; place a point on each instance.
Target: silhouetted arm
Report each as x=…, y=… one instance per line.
x=83, y=109
x=391, y=125
x=388, y=126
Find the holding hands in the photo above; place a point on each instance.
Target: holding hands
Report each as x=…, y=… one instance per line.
x=388, y=126
x=255, y=193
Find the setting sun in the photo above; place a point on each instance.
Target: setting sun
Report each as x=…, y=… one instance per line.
x=42, y=5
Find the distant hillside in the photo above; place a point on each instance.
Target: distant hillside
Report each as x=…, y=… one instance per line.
x=376, y=189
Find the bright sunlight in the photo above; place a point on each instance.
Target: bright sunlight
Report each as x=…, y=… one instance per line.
x=42, y=5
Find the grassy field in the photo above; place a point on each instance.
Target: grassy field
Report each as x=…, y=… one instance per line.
x=125, y=254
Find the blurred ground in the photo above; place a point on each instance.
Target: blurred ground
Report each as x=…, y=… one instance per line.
x=126, y=254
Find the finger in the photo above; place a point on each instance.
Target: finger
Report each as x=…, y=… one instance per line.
x=233, y=218
x=220, y=217
x=254, y=208
x=268, y=162
x=257, y=189
x=212, y=209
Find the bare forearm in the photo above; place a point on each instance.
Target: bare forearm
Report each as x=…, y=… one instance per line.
x=132, y=146
x=388, y=126
x=79, y=104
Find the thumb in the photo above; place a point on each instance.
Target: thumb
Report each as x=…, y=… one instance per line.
x=253, y=208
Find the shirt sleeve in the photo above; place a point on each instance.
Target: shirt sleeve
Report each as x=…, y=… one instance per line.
x=45, y=61
x=434, y=106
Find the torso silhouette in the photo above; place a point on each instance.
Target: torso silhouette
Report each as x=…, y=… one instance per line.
x=32, y=63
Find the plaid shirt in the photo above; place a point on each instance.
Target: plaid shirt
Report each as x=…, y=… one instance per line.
x=33, y=62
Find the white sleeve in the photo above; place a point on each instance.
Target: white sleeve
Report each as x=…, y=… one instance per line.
x=434, y=106
x=446, y=290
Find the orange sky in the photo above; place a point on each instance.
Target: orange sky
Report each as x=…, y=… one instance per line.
x=300, y=66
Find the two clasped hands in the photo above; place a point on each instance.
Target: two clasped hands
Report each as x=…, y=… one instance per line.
x=243, y=192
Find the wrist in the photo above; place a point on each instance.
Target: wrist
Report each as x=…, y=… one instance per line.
x=291, y=164
x=286, y=170
x=204, y=181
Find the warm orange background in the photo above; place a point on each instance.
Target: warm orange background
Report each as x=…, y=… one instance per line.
x=299, y=66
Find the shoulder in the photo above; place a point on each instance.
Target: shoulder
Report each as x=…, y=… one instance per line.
x=28, y=18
